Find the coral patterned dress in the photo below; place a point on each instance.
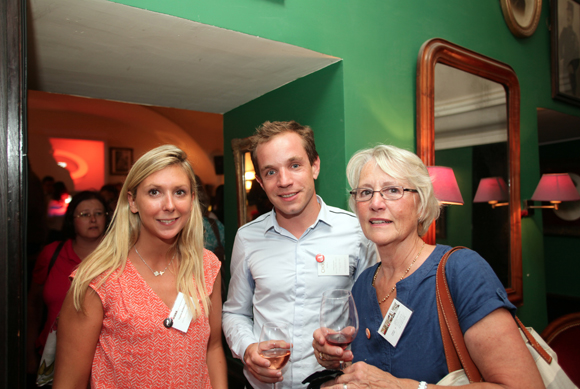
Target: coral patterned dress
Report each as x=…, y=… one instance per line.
x=135, y=350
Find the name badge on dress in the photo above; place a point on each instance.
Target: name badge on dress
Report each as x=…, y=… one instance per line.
x=395, y=322
x=180, y=314
x=334, y=265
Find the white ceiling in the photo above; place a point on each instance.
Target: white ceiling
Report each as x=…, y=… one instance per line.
x=105, y=50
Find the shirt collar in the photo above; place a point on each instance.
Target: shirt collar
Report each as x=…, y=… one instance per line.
x=323, y=216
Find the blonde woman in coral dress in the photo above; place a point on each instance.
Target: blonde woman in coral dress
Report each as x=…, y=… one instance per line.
x=125, y=322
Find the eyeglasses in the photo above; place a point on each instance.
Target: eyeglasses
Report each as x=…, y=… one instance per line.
x=387, y=193
x=89, y=216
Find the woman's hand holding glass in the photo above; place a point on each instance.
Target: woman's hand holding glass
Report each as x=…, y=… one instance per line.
x=338, y=328
x=326, y=354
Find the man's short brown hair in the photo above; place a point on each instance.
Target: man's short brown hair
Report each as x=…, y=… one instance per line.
x=268, y=130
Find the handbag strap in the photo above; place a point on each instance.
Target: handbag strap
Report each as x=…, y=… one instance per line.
x=456, y=352
x=453, y=343
x=533, y=342
x=215, y=229
x=54, y=256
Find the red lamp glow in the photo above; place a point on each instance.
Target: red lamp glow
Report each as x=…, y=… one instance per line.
x=445, y=185
x=554, y=188
x=492, y=190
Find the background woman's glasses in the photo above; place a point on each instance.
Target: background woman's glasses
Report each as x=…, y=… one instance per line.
x=88, y=215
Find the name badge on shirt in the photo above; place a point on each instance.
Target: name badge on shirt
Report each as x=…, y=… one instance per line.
x=334, y=265
x=181, y=314
x=395, y=322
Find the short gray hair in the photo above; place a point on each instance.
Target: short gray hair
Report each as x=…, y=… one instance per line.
x=402, y=165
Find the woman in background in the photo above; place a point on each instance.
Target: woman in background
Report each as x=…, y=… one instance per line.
x=85, y=222
x=118, y=325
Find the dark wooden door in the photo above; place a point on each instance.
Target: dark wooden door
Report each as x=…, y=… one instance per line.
x=12, y=192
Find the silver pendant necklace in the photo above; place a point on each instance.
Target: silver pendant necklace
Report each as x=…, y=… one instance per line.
x=155, y=272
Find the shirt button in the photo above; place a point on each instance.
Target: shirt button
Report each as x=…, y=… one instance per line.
x=368, y=333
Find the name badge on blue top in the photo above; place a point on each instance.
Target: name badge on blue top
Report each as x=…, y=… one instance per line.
x=395, y=322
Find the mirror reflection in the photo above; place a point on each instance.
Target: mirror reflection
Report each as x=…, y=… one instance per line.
x=471, y=138
x=468, y=118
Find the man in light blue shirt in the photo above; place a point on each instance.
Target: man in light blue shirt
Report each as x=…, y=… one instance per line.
x=281, y=261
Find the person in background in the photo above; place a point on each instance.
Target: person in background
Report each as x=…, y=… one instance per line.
x=258, y=198
x=111, y=195
x=277, y=259
x=393, y=197
x=144, y=309
x=213, y=229
x=217, y=206
x=84, y=225
x=57, y=207
x=48, y=186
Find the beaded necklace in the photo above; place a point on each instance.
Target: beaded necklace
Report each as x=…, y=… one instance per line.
x=401, y=279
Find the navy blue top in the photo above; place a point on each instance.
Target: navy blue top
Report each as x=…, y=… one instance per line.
x=419, y=354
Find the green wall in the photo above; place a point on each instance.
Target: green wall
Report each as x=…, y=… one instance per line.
x=378, y=41
x=315, y=100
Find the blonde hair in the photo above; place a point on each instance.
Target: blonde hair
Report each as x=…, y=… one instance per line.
x=402, y=165
x=123, y=233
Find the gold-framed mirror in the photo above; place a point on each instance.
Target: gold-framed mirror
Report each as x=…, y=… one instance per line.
x=252, y=200
x=507, y=262
x=241, y=147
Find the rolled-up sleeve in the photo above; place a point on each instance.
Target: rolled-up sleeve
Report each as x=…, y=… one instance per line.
x=237, y=320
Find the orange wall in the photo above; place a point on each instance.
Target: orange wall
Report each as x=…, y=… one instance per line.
x=118, y=124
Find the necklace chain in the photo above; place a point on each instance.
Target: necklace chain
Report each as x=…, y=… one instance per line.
x=401, y=279
x=155, y=272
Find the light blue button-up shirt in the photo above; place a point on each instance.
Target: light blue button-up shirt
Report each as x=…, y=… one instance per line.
x=275, y=279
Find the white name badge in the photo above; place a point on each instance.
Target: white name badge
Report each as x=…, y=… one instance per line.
x=395, y=322
x=334, y=265
x=180, y=314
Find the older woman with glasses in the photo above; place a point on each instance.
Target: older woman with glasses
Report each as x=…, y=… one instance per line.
x=84, y=225
x=399, y=344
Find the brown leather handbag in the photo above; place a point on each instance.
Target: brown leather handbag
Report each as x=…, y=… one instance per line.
x=462, y=370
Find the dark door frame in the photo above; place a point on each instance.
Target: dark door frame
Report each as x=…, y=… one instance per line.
x=13, y=176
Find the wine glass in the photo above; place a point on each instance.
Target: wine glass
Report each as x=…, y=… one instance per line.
x=275, y=345
x=338, y=318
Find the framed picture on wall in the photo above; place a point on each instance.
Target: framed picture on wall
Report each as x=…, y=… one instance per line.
x=121, y=160
x=566, y=50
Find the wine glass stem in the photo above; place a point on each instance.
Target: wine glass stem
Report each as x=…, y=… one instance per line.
x=341, y=365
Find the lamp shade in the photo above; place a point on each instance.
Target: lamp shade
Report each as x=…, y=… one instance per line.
x=445, y=185
x=556, y=187
x=491, y=189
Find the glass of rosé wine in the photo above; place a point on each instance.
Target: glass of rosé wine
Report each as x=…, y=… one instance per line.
x=275, y=345
x=338, y=318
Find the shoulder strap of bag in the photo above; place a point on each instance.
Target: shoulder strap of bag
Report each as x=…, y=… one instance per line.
x=454, y=345
x=455, y=350
x=533, y=342
x=216, y=230
x=54, y=256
